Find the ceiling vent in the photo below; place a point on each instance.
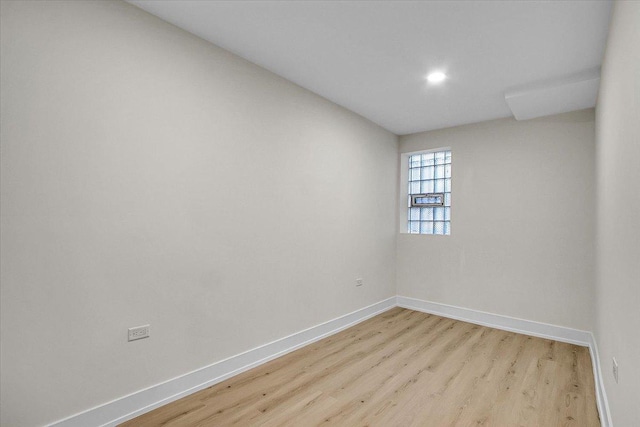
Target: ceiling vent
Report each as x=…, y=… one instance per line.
x=575, y=92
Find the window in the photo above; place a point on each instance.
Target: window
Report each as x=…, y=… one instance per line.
x=429, y=193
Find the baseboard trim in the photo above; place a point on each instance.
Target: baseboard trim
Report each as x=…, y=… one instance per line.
x=499, y=321
x=526, y=327
x=601, y=394
x=125, y=408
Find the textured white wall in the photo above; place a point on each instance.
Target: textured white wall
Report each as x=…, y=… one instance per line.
x=618, y=237
x=522, y=241
x=150, y=177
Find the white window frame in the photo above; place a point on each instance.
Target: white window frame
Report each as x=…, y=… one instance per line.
x=404, y=190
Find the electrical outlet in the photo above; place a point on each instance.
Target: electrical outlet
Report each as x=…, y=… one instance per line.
x=615, y=369
x=139, y=332
x=359, y=282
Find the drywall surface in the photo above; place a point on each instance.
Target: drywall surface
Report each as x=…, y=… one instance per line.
x=618, y=238
x=522, y=221
x=149, y=177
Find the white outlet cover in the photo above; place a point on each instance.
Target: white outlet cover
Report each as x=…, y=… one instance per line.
x=139, y=332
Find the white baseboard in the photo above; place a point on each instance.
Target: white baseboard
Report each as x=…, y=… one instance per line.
x=601, y=394
x=498, y=321
x=526, y=327
x=125, y=408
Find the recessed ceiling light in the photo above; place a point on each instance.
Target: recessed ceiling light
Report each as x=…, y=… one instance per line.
x=436, y=77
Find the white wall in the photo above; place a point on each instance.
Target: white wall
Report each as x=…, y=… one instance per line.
x=150, y=177
x=618, y=238
x=522, y=241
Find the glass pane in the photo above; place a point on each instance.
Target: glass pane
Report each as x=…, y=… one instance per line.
x=414, y=161
x=439, y=186
x=414, y=175
x=447, y=171
x=427, y=159
x=439, y=172
x=447, y=228
x=447, y=185
x=414, y=227
x=438, y=214
x=447, y=199
x=428, y=172
x=427, y=214
x=447, y=214
x=447, y=157
x=414, y=214
x=426, y=187
x=414, y=187
x=438, y=227
x=440, y=158
x=426, y=227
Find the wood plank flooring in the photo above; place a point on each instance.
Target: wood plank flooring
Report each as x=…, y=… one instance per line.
x=402, y=368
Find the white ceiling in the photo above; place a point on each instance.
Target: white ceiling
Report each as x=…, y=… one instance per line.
x=372, y=57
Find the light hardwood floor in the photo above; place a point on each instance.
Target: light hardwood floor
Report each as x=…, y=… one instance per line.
x=403, y=368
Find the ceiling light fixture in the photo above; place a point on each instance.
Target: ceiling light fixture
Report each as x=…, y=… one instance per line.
x=436, y=77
